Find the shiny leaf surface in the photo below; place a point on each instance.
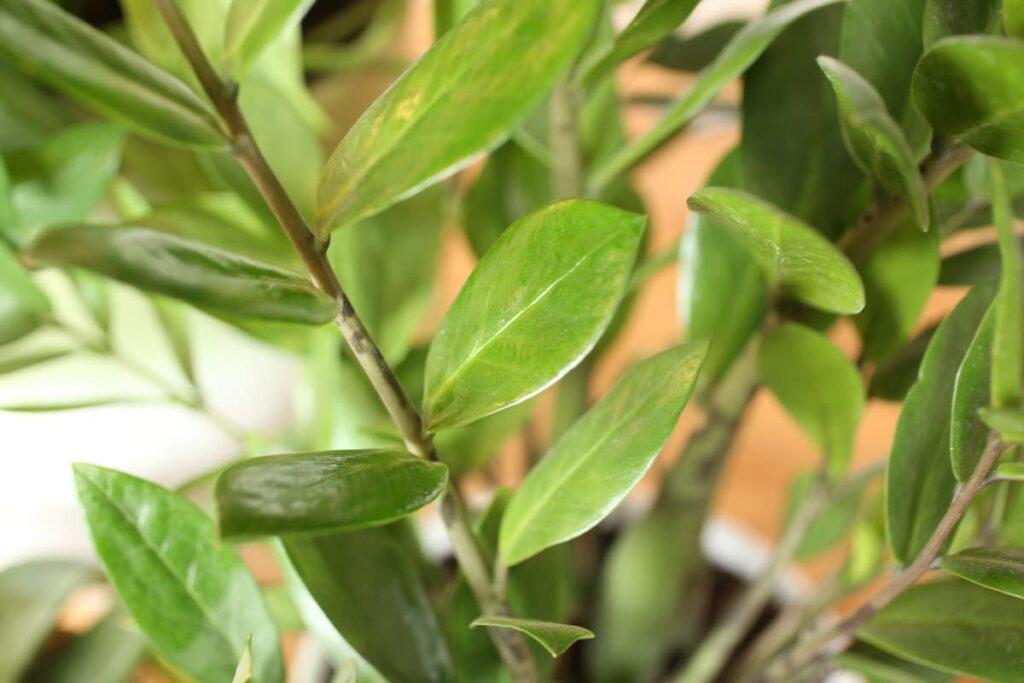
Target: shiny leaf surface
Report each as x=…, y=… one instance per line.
x=556, y=638
x=1000, y=569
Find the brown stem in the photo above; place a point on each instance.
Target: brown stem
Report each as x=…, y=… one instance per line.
x=224, y=96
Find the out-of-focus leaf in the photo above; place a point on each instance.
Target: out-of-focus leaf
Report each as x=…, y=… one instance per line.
x=191, y=271
x=1008, y=423
x=106, y=653
x=466, y=448
x=23, y=306
x=696, y=52
x=968, y=435
x=793, y=257
x=28, y=113
x=973, y=265
x=243, y=673
x=90, y=66
x=879, y=666
x=919, y=481
x=305, y=493
x=832, y=524
x=944, y=18
x=1008, y=336
x=458, y=100
x=533, y=307
x=556, y=638
x=1013, y=17
x=254, y=24
x=1000, y=569
x=191, y=595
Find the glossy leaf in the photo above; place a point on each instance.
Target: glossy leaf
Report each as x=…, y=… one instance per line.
x=1000, y=569
x=817, y=385
x=694, y=52
x=955, y=626
x=1008, y=424
x=369, y=587
x=968, y=434
x=875, y=140
x=458, y=100
x=599, y=460
x=740, y=53
x=191, y=271
x=254, y=24
x=23, y=306
x=793, y=257
x=90, y=66
x=192, y=596
x=1008, y=336
x=971, y=89
x=919, y=480
x=532, y=309
x=556, y=638
x=655, y=20
x=31, y=597
x=330, y=491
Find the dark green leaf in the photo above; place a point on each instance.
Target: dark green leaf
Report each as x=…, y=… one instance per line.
x=817, y=385
x=31, y=596
x=599, y=460
x=954, y=626
x=879, y=666
x=318, y=492
x=973, y=265
x=696, y=52
x=88, y=65
x=655, y=20
x=556, y=638
x=954, y=17
x=971, y=89
x=920, y=482
x=1008, y=337
x=740, y=53
x=1000, y=569
x=1008, y=423
x=368, y=586
x=253, y=24
x=23, y=306
x=533, y=307
x=192, y=596
x=968, y=434
x=107, y=653
x=876, y=142
x=458, y=100
x=795, y=259
x=202, y=275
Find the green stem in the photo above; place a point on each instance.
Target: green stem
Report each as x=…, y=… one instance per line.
x=224, y=96
x=566, y=156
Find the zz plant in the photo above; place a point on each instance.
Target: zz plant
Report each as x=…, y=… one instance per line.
x=875, y=133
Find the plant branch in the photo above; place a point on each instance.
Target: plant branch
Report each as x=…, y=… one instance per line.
x=566, y=156
x=837, y=638
x=224, y=96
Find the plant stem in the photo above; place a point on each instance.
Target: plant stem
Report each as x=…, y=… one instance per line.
x=566, y=156
x=833, y=640
x=224, y=96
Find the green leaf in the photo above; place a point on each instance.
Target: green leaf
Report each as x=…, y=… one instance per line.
x=954, y=626
x=474, y=445
x=968, y=434
x=722, y=294
x=89, y=66
x=745, y=47
x=1008, y=337
x=253, y=24
x=192, y=596
x=1000, y=569
x=556, y=638
x=1013, y=17
x=817, y=385
x=881, y=667
x=243, y=673
x=599, y=460
x=1008, y=423
x=954, y=17
x=919, y=480
x=369, y=587
x=832, y=524
x=655, y=20
x=695, y=52
x=1010, y=471
x=532, y=309
x=898, y=278
x=107, y=653
x=330, y=491
x=795, y=259
x=973, y=265
x=200, y=274
x=971, y=89
x=23, y=306
x=458, y=100
x=32, y=595
x=875, y=141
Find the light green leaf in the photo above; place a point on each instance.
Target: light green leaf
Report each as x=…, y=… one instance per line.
x=305, y=493
x=655, y=20
x=556, y=638
x=971, y=89
x=368, y=585
x=243, y=673
x=31, y=596
x=919, y=480
x=532, y=309
x=254, y=24
x=23, y=306
x=968, y=435
x=1000, y=569
x=817, y=385
x=599, y=460
x=1013, y=17
x=1010, y=471
x=795, y=259
x=92, y=67
x=191, y=595
x=694, y=52
x=202, y=275
x=832, y=524
x=745, y=47
x=875, y=140
x=458, y=100
x=1008, y=337
x=954, y=626
x=1008, y=423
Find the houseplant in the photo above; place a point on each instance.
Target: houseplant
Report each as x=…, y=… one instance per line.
x=872, y=130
